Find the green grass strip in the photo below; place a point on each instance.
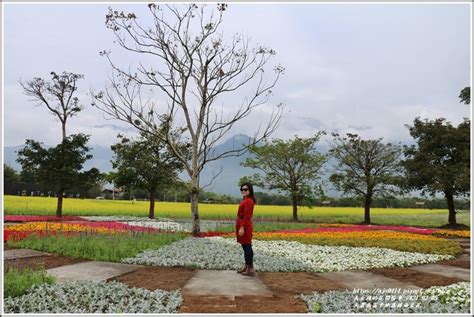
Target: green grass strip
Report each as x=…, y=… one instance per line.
x=269, y=226
x=17, y=282
x=99, y=247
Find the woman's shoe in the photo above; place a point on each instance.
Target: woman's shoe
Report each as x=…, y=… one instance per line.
x=249, y=272
x=243, y=269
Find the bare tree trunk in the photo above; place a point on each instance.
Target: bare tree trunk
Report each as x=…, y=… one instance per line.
x=367, y=204
x=195, y=206
x=295, y=208
x=64, y=129
x=451, y=210
x=151, y=214
x=59, y=207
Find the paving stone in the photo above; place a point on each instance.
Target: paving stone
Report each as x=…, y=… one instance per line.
x=91, y=271
x=225, y=283
x=21, y=253
x=366, y=280
x=444, y=270
x=465, y=256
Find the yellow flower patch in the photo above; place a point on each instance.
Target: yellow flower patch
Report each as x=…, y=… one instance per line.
x=52, y=226
x=454, y=233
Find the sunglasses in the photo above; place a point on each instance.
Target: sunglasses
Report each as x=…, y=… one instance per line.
x=244, y=189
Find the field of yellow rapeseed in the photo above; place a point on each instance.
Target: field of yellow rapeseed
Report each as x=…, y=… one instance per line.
x=17, y=205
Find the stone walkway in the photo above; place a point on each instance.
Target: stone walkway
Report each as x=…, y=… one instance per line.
x=444, y=270
x=207, y=285
x=466, y=246
x=365, y=280
x=21, y=253
x=91, y=271
x=224, y=283
x=229, y=283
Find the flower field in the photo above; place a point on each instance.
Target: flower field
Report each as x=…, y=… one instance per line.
x=278, y=247
x=401, y=241
x=450, y=299
x=21, y=231
x=351, y=227
x=93, y=297
x=217, y=253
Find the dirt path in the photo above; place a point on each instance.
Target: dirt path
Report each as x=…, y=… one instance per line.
x=285, y=287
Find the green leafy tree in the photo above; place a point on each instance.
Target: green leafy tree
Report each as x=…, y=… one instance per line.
x=365, y=168
x=291, y=166
x=465, y=95
x=58, y=168
x=439, y=161
x=146, y=164
x=27, y=176
x=10, y=175
x=89, y=184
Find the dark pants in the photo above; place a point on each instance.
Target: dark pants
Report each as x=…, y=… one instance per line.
x=248, y=253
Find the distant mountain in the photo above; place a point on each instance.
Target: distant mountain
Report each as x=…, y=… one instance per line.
x=225, y=183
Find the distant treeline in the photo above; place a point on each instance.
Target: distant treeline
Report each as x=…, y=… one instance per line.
x=180, y=195
x=400, y=202
x=282, y=200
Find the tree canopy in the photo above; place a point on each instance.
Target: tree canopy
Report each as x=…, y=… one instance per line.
x=465, y=95
x=56, y=95
x=146, y=164
x=291, y=166
x=365, y=168
x=58, y=168
x=439, y=162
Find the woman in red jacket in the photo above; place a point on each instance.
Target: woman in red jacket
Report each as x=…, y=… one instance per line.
x=244, y=227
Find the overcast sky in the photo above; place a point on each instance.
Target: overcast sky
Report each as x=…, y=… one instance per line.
x=363, y=68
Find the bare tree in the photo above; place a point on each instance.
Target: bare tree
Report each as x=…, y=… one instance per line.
x=192, y=71
x=57, y=95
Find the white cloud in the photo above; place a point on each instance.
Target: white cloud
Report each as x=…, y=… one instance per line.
x=349, y=68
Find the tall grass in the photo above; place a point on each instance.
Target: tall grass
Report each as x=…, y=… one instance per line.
x=98, y=247
x=268, y=226
x=17, y=282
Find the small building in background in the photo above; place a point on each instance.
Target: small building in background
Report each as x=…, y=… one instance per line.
x=420, y=204
x=117, y=193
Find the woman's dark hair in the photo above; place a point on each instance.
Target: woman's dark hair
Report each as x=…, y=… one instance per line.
x=250, y=191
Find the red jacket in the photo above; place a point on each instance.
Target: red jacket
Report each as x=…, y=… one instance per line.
x=244, y=219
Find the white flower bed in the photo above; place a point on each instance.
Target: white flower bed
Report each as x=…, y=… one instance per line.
x=277, y=256
x=172, y=226
x=124, y=218
x=454, y=298
x=157, y=223
x=161, y=223
x=93, y=297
